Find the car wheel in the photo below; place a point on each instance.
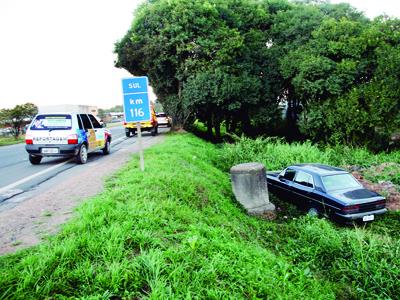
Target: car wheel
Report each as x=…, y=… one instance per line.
x=107, y=147
x=128, y=133
x=153, y=131
x=35, y=160
x=82, y=156
x=313, y=212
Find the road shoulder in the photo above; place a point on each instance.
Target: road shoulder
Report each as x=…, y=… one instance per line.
x=35, y=218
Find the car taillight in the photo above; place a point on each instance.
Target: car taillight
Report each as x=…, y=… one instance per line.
x=28, y=140
x=124, y=123
x=380, y=203
x=72, y=139
x=351, y=208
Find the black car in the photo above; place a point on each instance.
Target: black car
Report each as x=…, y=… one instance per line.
x=326, y=190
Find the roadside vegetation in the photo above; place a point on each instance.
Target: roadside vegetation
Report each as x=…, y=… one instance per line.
x=276, y=154
x=299, y=69
x=175, y=231
x=10, y=140
x=17, y=117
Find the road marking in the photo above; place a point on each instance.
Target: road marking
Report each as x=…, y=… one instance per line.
x=117, y=140
x=9, y=194
x=23, y=180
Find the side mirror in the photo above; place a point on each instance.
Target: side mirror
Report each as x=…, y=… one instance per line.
x=280, y=177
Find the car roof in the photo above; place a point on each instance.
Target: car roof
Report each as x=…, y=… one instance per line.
x=319, y=169
x=63, y=113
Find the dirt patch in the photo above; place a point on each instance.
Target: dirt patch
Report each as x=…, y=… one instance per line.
x=33, y=219
x=383, y=187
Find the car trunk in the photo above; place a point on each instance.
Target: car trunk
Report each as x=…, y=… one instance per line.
x=360, y=200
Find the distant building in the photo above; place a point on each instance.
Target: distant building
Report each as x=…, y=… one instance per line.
x=69, y=108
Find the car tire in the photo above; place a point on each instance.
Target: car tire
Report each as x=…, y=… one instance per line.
x=128, y=133
x=313, y=212
x=107, y=147
x=35, y=160
x=82, y=156
x=154, y=131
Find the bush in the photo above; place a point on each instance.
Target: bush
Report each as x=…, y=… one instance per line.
x=174, y=231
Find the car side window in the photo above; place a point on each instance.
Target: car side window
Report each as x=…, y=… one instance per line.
x=304, y=178
x=79, y=122
x=86, y=122
x=289, y=174
x=95, y=123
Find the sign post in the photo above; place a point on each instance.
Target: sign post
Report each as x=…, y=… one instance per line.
x=136, y=106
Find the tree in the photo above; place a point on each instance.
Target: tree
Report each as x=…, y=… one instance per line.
x=18, y=116
x=179, y=43
x=293, y=27
x=356, y=100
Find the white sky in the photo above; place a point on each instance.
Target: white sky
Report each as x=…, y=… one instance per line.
x=60, y=51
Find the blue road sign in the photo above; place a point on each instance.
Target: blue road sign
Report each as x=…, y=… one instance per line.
x=136, y=99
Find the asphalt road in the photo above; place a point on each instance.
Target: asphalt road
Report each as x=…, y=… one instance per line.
x=18, y=176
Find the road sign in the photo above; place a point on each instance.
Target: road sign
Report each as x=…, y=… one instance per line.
x=136, y=99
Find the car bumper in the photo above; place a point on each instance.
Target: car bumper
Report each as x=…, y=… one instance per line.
x=128, y=129
x=63, y=150
x=359, y=216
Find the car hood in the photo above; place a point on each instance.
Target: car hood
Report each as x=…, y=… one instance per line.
x=356, y=196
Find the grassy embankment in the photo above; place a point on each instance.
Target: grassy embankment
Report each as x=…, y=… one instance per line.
x=10, y=140
x=175, y=231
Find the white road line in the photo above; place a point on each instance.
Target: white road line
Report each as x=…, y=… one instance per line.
x=121, y=138
x=13, y=185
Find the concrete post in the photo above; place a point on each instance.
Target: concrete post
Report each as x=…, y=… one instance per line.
x=249, y=185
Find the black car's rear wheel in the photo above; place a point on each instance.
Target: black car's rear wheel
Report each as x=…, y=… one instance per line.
x=313, y=212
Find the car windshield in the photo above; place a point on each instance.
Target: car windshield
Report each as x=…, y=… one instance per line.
x=340, y=182
x=52, y=122
x=161, y=115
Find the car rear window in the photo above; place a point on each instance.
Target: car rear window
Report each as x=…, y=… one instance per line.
x=339, y=182
x=52, y=122
x=161, y=115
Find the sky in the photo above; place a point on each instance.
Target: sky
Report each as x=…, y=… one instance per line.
x=61, y=51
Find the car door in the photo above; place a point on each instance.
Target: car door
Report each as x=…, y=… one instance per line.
x=89, y=131
x=303, y=190
x=283, y=185
x=99, y=132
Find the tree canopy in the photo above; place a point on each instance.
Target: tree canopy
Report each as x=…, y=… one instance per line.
x=238, y=62
x=18, y=116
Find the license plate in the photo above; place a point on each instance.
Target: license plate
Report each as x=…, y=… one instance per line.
x=368, y=218
x=50, y=150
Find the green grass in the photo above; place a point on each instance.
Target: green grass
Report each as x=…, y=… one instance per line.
x=174, y=232
x=10, y=140
x=277, y=154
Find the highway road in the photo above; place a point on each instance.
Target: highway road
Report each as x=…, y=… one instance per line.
x=18, y=176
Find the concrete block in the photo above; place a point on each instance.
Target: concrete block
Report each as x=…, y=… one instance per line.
x=249, y=185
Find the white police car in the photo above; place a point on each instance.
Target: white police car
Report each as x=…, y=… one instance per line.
x=65, y=134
